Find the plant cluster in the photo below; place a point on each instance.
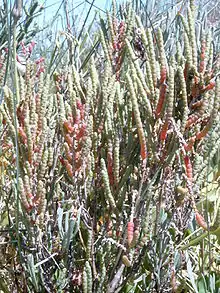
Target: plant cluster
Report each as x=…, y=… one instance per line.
x=102, y=168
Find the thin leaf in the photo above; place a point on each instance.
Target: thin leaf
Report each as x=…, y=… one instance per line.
x=190, y=272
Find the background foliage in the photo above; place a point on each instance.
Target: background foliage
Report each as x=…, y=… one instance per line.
x=109, y=178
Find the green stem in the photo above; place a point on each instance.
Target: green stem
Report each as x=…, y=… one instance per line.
x=15, y=101
x=195, y=241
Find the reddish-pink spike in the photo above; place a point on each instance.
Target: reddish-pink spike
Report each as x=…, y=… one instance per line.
x=130, y=231
x=188, y=166
x=201, y=221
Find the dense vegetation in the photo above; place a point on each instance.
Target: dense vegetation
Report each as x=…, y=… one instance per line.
x=109, y=162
